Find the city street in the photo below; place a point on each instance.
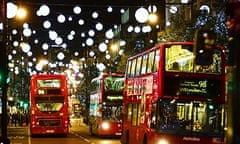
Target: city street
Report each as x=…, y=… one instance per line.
x=119, y=72
x=78, y=134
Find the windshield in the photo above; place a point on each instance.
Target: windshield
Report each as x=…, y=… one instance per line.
x=188, y=116
x=113, y=83
x=52, y=83
x=180, y=58
x=112, y=113
x=50, y=103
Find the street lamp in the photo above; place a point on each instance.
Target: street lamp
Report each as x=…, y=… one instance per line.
x=21, y=13
x=3, y=71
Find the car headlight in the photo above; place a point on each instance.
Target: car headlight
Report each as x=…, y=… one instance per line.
x=105, y=125
x=163, y=141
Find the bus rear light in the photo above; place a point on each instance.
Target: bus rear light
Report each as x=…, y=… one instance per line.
x=33, y=112
x=105, y=125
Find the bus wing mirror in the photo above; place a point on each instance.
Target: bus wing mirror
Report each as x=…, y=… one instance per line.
x=204, y=46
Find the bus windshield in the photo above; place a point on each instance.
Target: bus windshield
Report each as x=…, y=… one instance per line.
x=49, y=83
x=178, y=116
x=112, y=113
x=113, y=83
x=50, y=103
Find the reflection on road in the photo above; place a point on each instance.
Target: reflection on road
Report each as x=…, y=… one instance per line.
x=79, y=133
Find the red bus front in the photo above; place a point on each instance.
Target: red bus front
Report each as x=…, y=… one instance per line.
x=106, y=105
x=171, y=99
x=49, y=105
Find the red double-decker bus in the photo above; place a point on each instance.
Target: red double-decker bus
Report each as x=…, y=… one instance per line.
x=105, y=117
x=170, y=97
x=49, y=104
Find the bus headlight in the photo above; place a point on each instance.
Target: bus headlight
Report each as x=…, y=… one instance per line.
x=105, y=125
x=162, y=141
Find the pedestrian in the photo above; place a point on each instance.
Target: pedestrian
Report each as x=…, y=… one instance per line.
x=15, y=119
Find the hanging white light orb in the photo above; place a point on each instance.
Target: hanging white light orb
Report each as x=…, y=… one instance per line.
x=61, y=18
x=77, y=10
x=11, y=10
x=27, y=32
x=102, y=47
x=109, y=34
x=25, y=47
x=60, y=56
x=47, y=24
x=91, y=53
x=99, y=26
x=141, y=15
x=45, y=46
x=44, y=10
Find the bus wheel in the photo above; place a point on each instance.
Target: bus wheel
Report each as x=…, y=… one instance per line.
x=127, y=137
x=145, y=139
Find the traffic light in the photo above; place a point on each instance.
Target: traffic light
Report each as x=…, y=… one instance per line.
x=1, y=77
x=3, y=68
x=204, y=46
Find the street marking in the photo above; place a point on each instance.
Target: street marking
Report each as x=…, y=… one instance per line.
x=85, y=139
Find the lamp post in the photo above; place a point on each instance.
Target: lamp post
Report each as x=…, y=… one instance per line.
x=3, y=69
x=3, y=66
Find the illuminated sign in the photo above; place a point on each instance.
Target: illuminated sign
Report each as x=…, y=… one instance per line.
x=195, y=87
x=189, y=86
x=114, y=97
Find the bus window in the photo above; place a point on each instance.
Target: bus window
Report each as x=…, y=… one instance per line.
x=205, y=117
x=144, y=64
x=214, y=67
x=156, y=60
x=49, y=104
x=107, y=84
x=112, y=113
x=150, y=62
x=52, y=83
x=133, y=66
x=118, y=84
x=179, y=58
x=129, y=68
x=138, y=65
x=136, y=115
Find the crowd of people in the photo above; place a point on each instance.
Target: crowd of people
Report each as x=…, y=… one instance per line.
x=18, y=119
